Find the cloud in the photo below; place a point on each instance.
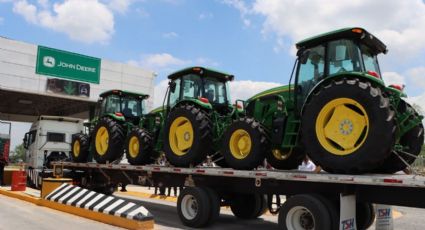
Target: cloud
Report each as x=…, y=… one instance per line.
x=120, y=6
x=400, y=24
x=393, y=78
x=84, y=21
x=238, y=90
x=170, y=35
x=204, y=16
x=416, y=77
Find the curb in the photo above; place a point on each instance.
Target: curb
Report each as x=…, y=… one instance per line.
x=96, y=216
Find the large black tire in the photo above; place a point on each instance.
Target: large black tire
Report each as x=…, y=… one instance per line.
x=248, y=206
x=354, y=99
x=333, y=208
x=413, y=141
x=365, y=215
x=304, y=212
x=193, y=207
x=80, y=146
x=139, y=147
x=250, y=154
x=285, y=159
x=201, y=144
x=113, y=146
x=215, y=205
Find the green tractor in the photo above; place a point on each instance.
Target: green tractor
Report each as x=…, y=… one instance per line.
x=116, y=113
x=337, y=111
x=190, y=124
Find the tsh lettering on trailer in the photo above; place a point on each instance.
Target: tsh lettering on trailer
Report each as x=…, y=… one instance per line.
x=384, y=213
x=348, y=224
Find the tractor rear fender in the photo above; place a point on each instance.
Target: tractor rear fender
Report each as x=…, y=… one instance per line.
x=203, y=105
x=359, y=75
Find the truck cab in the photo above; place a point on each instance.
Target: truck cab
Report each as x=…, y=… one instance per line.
x=49, y=140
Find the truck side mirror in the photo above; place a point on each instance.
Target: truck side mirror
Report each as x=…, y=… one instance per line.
x=26, y=141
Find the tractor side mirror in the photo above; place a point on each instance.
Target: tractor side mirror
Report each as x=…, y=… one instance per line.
x=172, y=85
x=303, y=56
x=240, y=104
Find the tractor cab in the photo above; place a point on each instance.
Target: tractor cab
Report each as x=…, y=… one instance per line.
x=121, y=105
x=202, y=86
x=349, y=50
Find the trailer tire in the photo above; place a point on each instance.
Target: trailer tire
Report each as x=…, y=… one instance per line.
x=193, y=207
x=107, y=141
x=365, y=215
x=196, y=143
x=80, y=146
x=304, y=212
x=244, y=144
x=215, y=205
x=248, y=206
x=333, y=209
x=281, y=159
x=139, y=147
x=344, y=125
x=413, y=141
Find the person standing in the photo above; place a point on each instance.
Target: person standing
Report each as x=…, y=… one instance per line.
x=3, y=163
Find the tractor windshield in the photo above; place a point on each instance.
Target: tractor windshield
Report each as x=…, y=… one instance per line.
x=132, y=107
x=215, y=91
x=370, y=61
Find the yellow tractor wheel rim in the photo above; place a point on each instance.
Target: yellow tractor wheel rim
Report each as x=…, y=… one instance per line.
x=76, y=148
x=342, y=126
x=280, y=154
x=102, y=140
x=134, y=147
x=240, y=144
x=181, y=136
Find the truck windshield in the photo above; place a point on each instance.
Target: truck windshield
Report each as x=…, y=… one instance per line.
x=215, y=91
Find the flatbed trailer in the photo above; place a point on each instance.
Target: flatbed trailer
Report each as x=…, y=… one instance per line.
x=310, y=197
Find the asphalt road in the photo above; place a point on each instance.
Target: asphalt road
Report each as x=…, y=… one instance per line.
x=16, y=214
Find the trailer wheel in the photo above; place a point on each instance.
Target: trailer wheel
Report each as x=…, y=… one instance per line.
x=80, y=147
x=244, y=144
x=285, y=159
x=215, y=205
x=187, y=136
x=248, y=206
x=345, y=124
x=107, y=141
x=138, y=147
x=365, y=215
x=302, y=212
x=193, y=207
x=333, y=209
x=412, y=141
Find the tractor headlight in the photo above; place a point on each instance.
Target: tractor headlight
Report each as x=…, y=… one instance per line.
x=279, y=105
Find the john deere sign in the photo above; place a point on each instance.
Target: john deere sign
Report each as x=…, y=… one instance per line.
x=67, y=65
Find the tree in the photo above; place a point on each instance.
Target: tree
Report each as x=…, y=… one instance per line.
x=19, y=154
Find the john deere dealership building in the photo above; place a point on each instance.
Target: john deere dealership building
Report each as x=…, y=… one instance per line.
x=38, y=80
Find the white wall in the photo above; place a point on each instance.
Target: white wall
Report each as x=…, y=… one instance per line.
x=17, y=73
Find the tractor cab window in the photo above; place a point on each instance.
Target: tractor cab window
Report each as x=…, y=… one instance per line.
x=310, y=72
x=112, y=104
x=343, y=57
x=215, y=91
x=370, y=60
x=175, y=94
x=131, y=107
x=191, y=86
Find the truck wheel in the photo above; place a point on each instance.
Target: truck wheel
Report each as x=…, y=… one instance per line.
x=193, y=207
x=108, y=141
x=80, y=147
x=365, y=215
x=302, y=212
x=138, y=147
x=285, y=159
x=248, y=206
x=187, y=135
x=215, y=205
x=412, y=141
x=244, y=144
x=348, y=127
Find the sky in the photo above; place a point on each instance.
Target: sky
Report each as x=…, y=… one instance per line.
x=254, y=40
